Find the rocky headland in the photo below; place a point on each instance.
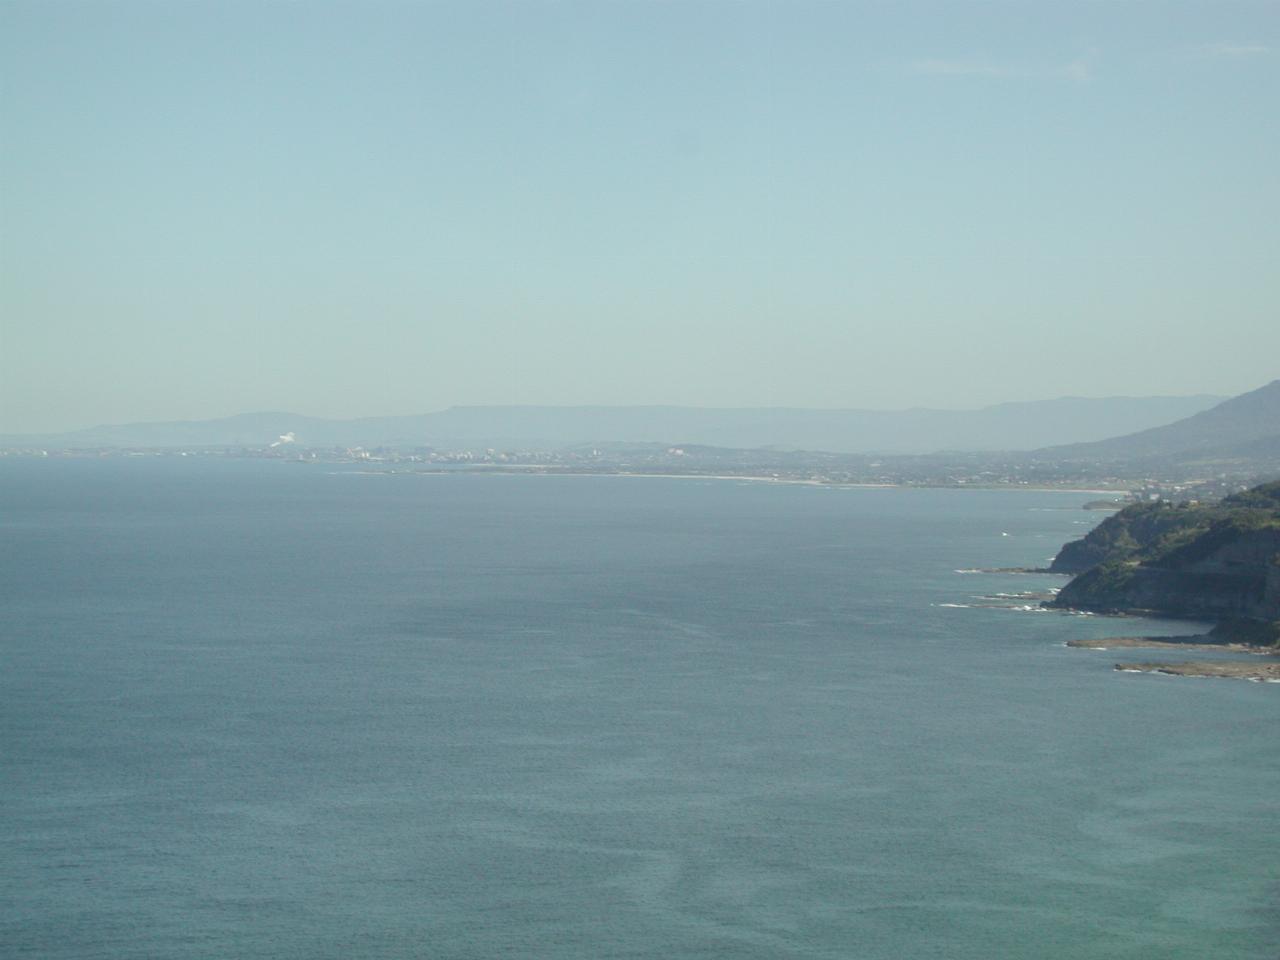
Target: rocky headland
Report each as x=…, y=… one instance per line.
x=1217, y=561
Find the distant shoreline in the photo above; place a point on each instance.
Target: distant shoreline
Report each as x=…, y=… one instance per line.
x=535, y=471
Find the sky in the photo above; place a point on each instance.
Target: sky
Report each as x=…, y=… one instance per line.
x=364, y=208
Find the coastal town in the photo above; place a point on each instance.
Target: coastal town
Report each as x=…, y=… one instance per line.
x=1116, y=483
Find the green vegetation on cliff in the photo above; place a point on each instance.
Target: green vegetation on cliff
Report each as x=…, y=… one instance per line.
x=1219, y=561
x=1125, y=534
x=1148, y=531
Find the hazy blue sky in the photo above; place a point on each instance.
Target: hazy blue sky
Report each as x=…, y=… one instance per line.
x=363, y=208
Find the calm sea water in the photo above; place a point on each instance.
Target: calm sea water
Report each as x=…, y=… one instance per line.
x=264, y=710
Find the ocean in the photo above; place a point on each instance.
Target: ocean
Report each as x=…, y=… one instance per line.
x=259, y=709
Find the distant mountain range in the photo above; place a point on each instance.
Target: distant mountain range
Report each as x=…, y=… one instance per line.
x=1244, y=427
x=1075, y=421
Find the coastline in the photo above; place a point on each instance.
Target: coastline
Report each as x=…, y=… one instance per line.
x=1263, y=664
x=537, y=470
x=1199, y=642
x=1229, y=669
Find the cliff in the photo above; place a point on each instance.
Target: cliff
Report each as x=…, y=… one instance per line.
x=1217, y=562
x=1125, y=534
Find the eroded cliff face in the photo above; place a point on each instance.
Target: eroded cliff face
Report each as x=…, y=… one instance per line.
x=1239, y=578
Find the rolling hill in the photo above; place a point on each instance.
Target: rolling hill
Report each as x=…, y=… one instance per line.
x=1244, y=426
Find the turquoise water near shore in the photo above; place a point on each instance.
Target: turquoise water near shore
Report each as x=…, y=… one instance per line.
x=258, y=709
